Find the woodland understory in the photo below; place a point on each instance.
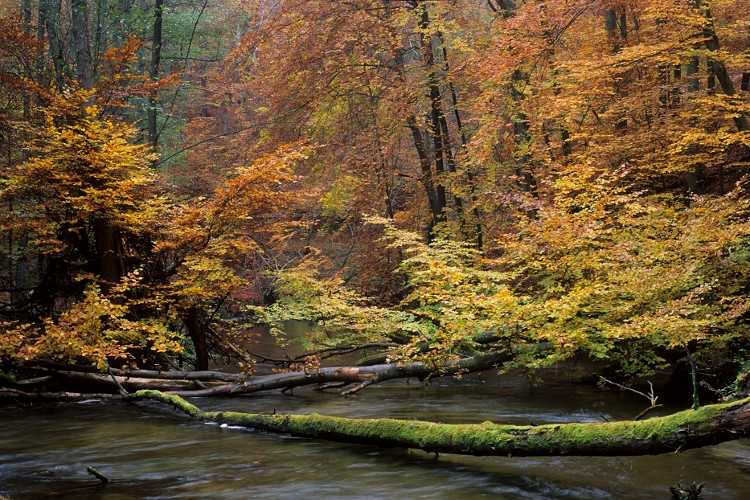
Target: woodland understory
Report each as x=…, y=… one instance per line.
x=440, y=187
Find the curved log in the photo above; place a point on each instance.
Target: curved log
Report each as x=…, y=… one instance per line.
x=705, y=426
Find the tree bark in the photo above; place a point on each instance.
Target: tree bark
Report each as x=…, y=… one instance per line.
x=82, y=43
x=441, y=147
x=197, y=334
x=681, y=431
x=234, y=384
x=109, y=262
x=717, y=67
x=479, y=234
x=360, y=375
x=156, y=43
x=49, y=18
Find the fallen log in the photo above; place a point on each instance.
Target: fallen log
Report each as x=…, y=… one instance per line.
x=204, y=376
x=705, y=426
x=213, y=383
x=102, y=382
x=360, y=375
x=60, y=396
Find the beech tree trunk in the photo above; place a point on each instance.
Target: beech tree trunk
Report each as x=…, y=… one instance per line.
x=49, y=17
x=84, y=68
x=153, y=135
x=717, y=67
x=109, y=262
x=681, y=431
x=197, y=334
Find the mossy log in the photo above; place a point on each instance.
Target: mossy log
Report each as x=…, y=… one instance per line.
x=708, y=425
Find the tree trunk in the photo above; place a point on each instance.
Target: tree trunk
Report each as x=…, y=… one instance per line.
x=522, y=133
x=360, y=375
x=108, y=253
x=478, y=232
x=441, y=145
x=681, y=431
x=198, y=335
x=429, y=178
x=718, y=68
x=153, y=134
x=82, y=43
x=49, y=18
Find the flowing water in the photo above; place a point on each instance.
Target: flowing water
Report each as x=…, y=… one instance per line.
x=150, y=451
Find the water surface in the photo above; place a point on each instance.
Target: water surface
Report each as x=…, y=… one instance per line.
x=150, y=451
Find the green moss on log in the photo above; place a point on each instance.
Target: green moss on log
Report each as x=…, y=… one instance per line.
x=687, y=429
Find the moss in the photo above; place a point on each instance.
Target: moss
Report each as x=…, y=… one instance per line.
x=169, y=399
x=685, y=429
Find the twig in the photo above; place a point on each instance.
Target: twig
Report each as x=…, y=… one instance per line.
x=644, y=412
x=120, y=388
x=104, y=479
x=650, y=396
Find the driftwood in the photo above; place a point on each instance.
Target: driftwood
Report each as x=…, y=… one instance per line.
x=705, y=426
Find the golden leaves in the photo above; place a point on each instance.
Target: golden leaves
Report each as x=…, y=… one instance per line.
x=97, y=328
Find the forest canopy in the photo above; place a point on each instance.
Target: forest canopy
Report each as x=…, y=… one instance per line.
x=429, y=180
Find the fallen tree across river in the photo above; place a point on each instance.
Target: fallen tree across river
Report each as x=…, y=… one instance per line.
x=705, y=426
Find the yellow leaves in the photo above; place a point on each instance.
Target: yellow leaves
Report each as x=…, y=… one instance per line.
x=83, y=168
x=201, y=279
x=98, y=328
x=335, y=203
x=646, y=275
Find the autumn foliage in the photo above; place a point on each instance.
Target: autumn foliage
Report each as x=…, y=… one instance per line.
x=562, y=177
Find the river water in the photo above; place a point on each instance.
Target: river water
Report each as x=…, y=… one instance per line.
x=150, y=451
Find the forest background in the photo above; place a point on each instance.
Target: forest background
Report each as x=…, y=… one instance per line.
x=431, y=180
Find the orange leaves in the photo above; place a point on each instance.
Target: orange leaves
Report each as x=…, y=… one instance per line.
x=217, y=235
x=244, y=199
x=19, y=53
x=612, y=254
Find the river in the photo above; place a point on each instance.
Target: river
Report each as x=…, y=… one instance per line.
x=150, y=451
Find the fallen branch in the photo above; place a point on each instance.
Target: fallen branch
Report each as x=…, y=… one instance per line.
x=361, y=375
x=651, y=396
x=705, y=426
x=233, y=384
x=19, y=395
x=327, y=352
